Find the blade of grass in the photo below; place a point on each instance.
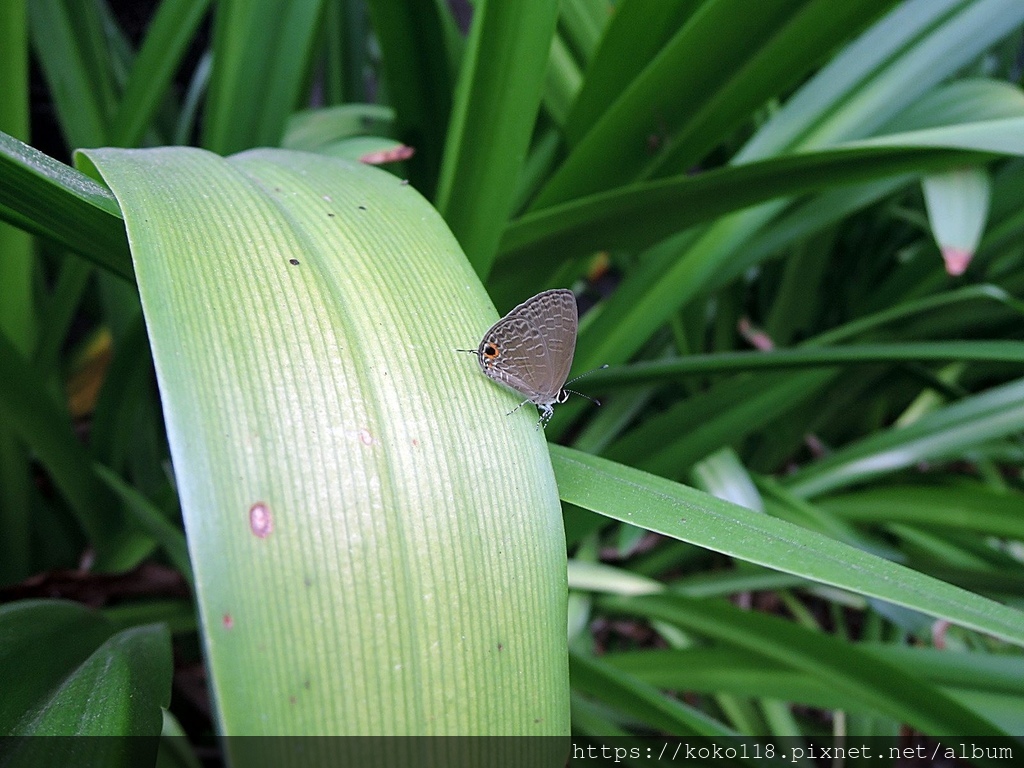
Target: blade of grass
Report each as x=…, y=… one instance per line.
x=415, y=63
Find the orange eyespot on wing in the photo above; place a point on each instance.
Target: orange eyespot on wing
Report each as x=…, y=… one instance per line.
x=490, y=351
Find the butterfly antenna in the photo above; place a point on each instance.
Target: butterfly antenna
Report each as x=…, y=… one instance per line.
x=595, y=401
x=577, y=378
x=473, y=351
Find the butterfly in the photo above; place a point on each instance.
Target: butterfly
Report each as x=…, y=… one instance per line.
x=530, y=351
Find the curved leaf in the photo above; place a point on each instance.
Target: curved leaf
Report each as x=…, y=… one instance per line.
x=368, y=558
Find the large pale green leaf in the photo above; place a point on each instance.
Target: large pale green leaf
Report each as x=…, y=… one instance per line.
x=377, y=549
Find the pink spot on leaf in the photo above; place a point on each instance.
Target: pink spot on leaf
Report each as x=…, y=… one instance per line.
x=393, y=155
x=260, y=521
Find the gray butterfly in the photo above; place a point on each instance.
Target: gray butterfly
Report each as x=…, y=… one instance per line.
x=530, y=350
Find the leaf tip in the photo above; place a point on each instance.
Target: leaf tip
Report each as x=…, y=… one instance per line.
x=957, y=259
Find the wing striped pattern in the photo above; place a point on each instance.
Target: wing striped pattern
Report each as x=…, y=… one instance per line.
x=530, y=350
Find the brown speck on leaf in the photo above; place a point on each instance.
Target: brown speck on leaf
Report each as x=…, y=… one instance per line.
x=228, y=621
x=365, y=437
x=415, y=443
x=307, y=685
x=292, y=700
x=501, y=647
x=293, y=262
x=362, y=207
x=260, y=521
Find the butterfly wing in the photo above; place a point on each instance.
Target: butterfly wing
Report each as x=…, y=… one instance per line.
x=511, y=354
x=530, y=350
x=554, y=314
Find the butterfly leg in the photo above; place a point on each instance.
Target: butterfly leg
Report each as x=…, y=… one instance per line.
x=517, y=407
x=546, y=412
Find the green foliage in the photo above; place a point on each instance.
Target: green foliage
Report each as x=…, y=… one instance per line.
x=796, y=234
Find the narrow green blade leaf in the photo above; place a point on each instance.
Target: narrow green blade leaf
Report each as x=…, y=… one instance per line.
x=969, y=507
x=30, y=413
x=636, y=32
x=660, y=505
x=69, y=39
x=883, y=686
x=944, y=433
x=415, y=63
x=55, y=201
x=167, y=39
x=639, y=699
x=117, y=691
x=44, y=641
x=260, y=59
x=495, y=109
